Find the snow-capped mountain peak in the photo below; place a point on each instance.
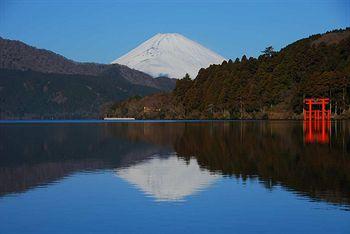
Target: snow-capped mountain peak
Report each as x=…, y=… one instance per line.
x=170, y=54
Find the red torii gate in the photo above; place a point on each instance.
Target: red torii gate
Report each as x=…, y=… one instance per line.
x=317, y=124
x=316, y=109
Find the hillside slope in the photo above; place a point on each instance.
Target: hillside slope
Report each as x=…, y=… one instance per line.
x=17, y=55
x=36, y=95
x=37, y=83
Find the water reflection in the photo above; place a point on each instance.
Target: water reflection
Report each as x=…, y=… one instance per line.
x=317, y=131
x=168, y=179
x=170, y=161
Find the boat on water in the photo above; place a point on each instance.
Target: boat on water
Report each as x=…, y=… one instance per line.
x=116, y=118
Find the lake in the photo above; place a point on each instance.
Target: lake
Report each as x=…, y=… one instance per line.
x=174, y=177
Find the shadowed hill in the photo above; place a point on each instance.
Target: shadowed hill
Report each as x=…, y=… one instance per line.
x=35, y=95
x=37, y=83
x=20, y=56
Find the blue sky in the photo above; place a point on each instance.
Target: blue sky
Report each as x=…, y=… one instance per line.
x=101, y=31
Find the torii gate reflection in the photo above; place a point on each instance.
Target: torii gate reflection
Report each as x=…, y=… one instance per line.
x=317, y=131
x=317, y=120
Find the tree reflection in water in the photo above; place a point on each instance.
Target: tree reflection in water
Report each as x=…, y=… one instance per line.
x=275, y=152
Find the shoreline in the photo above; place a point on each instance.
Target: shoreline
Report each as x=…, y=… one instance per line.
x=151, y=121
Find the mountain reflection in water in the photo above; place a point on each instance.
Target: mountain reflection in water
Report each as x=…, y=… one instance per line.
x=170, y=161
x=170, y=179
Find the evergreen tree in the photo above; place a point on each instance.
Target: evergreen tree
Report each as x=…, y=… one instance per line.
x=268, y=51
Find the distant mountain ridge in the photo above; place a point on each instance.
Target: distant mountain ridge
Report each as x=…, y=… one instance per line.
x=17, y=55
x=170, y=54
x=37, y=83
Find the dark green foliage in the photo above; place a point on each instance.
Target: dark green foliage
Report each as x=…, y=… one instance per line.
x=276, y=81
x=28, y=94
x=182, y=86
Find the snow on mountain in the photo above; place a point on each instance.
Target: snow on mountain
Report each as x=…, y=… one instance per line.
x=170, y=179
x=171, y=55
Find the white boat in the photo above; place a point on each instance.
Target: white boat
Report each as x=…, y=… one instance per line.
x=115, y=118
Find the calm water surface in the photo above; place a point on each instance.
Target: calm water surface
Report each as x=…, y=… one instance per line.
x=175, y=177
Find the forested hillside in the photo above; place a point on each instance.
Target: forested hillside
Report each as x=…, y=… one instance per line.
x=270, y=86
x=37, y=83
x=36, y=95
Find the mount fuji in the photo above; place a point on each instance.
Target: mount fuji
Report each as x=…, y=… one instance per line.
x=171, y=55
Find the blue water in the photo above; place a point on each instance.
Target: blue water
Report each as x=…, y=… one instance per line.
x=183, y=177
